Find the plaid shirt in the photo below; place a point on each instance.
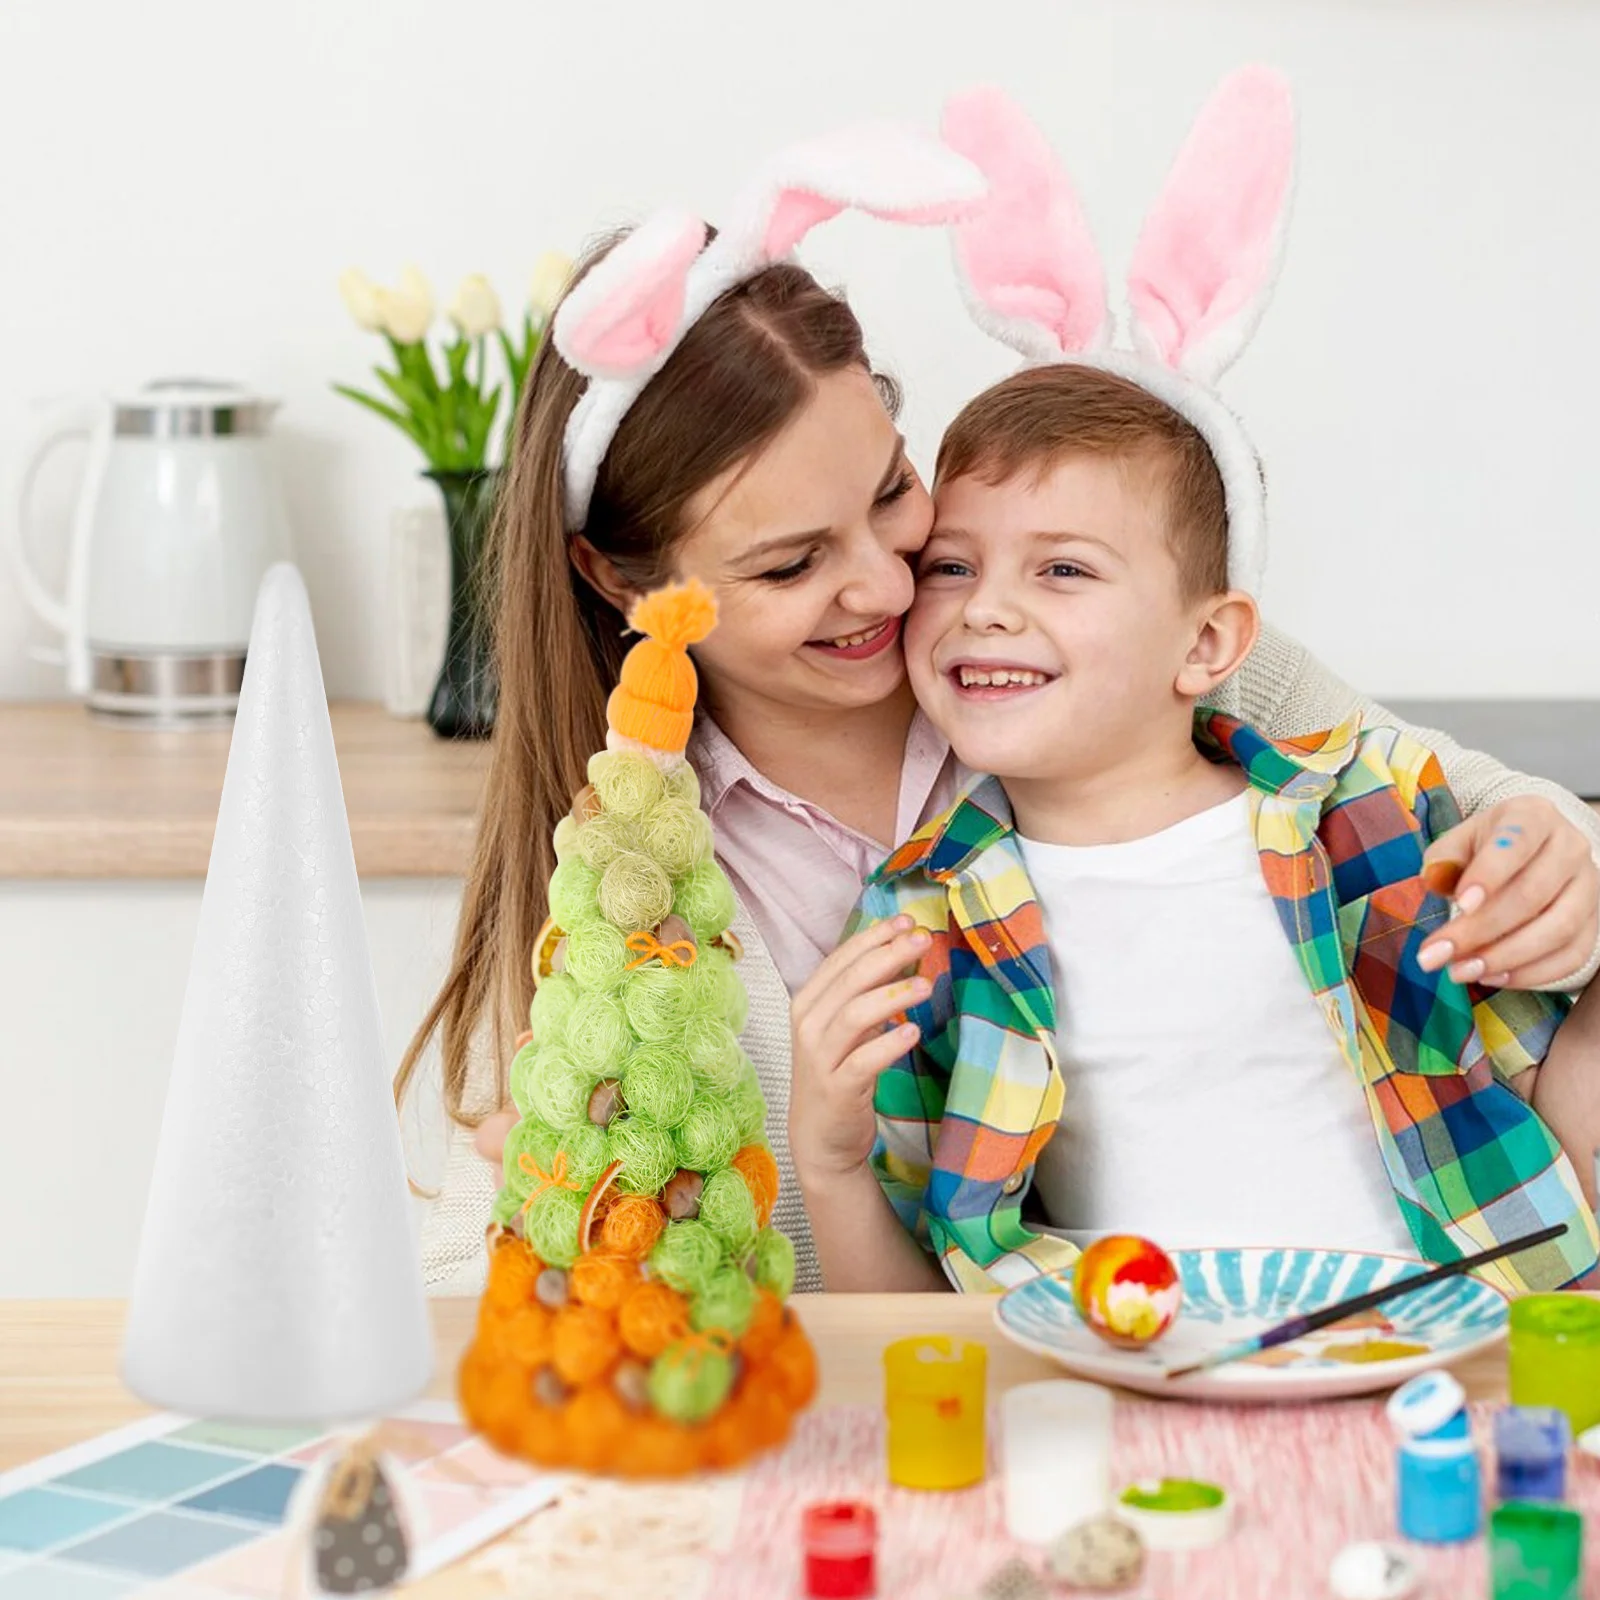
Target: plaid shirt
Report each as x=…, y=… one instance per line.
x=1341, y=820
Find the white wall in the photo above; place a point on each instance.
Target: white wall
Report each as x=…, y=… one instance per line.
x=181, y=181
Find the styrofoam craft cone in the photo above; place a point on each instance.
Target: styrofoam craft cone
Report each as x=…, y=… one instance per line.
x=277, y=1279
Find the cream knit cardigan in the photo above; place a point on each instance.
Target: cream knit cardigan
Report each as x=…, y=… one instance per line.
x=1281, y=689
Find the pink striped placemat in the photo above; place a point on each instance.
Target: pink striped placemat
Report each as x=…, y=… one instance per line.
x=1305, y=1481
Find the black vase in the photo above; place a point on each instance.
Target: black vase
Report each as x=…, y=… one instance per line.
x=463, y=702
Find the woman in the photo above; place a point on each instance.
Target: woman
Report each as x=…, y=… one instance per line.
x=763, y=458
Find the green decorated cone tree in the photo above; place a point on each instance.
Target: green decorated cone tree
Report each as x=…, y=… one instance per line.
x=634, y=1320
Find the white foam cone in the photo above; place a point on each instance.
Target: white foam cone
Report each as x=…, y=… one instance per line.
x=276, y=1276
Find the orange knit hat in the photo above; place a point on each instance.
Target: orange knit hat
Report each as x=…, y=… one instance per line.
x=653, y=705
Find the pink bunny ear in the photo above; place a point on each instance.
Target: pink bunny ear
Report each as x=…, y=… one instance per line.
x=625, y=317
x=884, y=169
x=1027, y=260
x=1208, y=255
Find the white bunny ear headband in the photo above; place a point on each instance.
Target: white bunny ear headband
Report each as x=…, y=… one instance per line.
x=621, y=323
x=1202, y=271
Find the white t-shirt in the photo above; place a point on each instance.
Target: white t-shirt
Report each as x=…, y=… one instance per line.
x=1207, y=1100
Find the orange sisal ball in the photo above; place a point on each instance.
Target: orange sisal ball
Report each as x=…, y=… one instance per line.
x=793, y=1366
x=584, y=1345
x=632, y=1226
x=766, y=1327
x=602, y=1281
x=755, y=1164
x=652, y=1317
x=597, y=1429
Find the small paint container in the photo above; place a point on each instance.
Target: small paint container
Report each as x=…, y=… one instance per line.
x=1530, y=1447
x=1555, y=1355
x=839, y=1540
x=934, y=1397
x=1535, y=1552
x=1438, y=1480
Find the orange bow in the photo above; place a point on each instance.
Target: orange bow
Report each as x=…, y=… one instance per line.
x=555, y=1178
x=681, y=953
x=714, y=1341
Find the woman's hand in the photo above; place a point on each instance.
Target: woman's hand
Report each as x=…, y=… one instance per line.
x=841, y=1044
x=489, y=1137
x=1528, y=895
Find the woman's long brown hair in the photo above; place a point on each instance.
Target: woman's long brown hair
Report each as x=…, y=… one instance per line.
x=739, y=377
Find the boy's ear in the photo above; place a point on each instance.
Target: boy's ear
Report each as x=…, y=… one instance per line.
x=1229, y=626
x=600, y=573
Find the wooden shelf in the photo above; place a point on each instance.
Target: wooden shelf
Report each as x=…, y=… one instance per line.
x=86, y=799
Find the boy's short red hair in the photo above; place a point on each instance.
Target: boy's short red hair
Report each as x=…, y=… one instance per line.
x=1040, y=417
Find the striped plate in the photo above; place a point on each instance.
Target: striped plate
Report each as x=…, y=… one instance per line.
x=1231, y=1294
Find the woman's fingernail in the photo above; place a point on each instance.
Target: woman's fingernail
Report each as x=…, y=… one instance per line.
x=1497, y=980
x=922, y=938
x=1433, y=956
x=1471, y=898
x=1467, y=971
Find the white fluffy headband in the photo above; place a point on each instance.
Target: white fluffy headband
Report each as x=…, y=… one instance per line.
x=621, y=323
x=1202, y=271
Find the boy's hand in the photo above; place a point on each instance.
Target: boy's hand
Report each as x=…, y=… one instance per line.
x=1528, y=891
x=841, y=1044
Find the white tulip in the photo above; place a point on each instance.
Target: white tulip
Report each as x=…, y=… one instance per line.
x=360, y=295
x=406, y=313
x=551, y=274
x=476, y=308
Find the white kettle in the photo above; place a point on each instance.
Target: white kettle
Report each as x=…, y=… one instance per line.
x=178, y=519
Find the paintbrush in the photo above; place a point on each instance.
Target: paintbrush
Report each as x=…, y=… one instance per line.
x=1299, y=1327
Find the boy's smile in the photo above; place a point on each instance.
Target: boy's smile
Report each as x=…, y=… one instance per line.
x=1050, y=640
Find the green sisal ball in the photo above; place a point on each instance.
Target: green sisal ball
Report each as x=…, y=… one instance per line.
x=597, y=1034
x=708, y=1137
x=557, y=1088
x=775, y=1262
x=552, y=1004
x=658, y=1085
x=749, y=1108
x=635, y=893
x=728, y=1302
x=532, y=1138
x=689, y=1384
x=601, y=839
x=678, y=836
x=727, y=1209
x=597, y=956
x=687, y=1257
x=551, y=1228
x=574, y=892
x=587, y=1151
x=629, y=785
x=646, y=1152
x=659, y=1001
x=713, y=1051
x=683, y=783
x=704, y=900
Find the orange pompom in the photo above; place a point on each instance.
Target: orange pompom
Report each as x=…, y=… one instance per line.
x=793, y=1367
x=679, y=615
x=597, y=1429
x=755, y=1164
x=661, y=1449
x=632, y=1225
x=584, y=1345
x=601, y=1281
x=652, y=1317
x=766, y=1327
x=513, y=1270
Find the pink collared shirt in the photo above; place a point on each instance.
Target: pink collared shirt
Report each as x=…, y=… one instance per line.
x=797, y=868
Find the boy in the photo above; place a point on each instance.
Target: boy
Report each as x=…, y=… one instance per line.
x=1167, y=978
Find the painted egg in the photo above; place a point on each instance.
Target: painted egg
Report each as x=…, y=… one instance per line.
x=1126, y=1289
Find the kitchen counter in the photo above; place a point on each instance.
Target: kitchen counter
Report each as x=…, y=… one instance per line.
x=80, y=798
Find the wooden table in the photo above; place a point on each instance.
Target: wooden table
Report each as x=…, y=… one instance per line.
x=80, y=798
x=59, y=1384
